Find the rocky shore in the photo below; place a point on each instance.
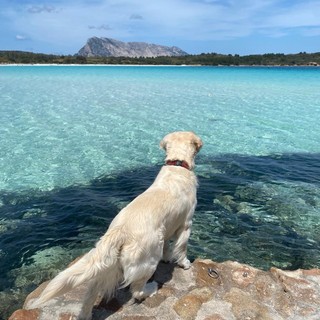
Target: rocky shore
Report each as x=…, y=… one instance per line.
x=207, y=291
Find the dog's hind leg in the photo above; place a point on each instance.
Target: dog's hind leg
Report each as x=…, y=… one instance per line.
x=103, y=285
x=94, y=289
x=138, y=272
x=139, y=262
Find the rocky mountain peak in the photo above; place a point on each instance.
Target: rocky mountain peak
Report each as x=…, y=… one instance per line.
x=107, y=47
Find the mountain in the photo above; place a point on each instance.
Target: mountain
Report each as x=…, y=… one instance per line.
x=106, y=47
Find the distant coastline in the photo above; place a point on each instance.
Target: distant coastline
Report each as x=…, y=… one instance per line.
x=153, y=65
x=209, y=59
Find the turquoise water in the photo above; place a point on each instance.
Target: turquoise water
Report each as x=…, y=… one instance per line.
x=79, y=142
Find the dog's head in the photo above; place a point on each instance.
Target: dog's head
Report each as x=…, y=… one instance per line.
x=181, y=145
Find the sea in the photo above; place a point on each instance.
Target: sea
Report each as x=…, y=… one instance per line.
x=80, y=142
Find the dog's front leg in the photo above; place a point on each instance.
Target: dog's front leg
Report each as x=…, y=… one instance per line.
x=179, y=250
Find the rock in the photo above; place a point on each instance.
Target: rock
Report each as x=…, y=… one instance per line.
x=106, y=47
x=25, y=314
x=207, y=291
x=188, y=306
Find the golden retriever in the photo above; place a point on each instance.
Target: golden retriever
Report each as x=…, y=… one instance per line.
x=138, y=237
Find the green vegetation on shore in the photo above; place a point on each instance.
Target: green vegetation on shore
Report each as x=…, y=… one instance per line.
x=207, y=59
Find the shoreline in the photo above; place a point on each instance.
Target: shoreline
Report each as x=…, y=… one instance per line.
x=152, y=65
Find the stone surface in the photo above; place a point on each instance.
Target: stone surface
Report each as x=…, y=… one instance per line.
x=207, y=291
x=106, y=47
x=25, y=314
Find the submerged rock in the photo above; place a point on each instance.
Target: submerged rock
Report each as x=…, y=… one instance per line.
x=207, y=291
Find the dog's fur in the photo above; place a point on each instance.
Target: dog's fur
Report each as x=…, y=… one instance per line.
x=138, y=237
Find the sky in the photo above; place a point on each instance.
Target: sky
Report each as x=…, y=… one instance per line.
x=196, y=26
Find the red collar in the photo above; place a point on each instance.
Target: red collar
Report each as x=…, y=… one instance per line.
x=178, y=163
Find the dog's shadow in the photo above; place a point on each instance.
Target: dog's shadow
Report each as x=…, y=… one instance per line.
x=123, y=297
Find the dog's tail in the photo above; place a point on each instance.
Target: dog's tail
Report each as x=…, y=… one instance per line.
x=102, y=259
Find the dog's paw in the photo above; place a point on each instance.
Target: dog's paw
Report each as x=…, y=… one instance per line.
x=148, y=290
x=185, y=264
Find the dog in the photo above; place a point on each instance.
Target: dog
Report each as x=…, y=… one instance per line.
x=154, y=226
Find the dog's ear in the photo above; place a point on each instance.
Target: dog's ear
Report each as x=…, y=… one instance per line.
x=198, y=143
x=163, y=144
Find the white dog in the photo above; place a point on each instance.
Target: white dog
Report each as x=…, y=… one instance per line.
x=138, y=237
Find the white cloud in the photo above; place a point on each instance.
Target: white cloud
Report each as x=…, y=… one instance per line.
x=311, y=32
x=136, y=17
x=65, y=22
x=43, y=8
x=101, y=27
x=21, y=37
x=301, y=14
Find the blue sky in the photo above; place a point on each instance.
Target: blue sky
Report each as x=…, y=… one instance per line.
x=196, y=26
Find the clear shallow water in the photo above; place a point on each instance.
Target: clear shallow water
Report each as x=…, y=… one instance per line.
x=78, y=143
